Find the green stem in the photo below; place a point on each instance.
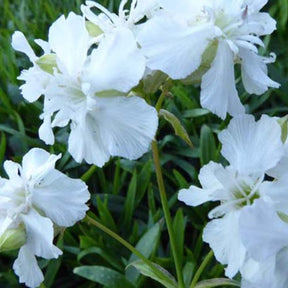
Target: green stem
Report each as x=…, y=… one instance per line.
x=201, y=268
x=126, y=244
x=167, y=214
x=86, y=176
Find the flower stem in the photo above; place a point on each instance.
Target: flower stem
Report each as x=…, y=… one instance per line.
x=167, y=213
x=201, y=268
x=87, y=175
x=126, y=244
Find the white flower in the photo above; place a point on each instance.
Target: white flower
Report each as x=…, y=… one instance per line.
x=175, y=39
x=252, y=148
x=88, y=92
x=34, y=198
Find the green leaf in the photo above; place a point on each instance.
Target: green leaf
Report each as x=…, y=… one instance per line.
x=177, y=126
x=217, y=282
x=105, y=215
x=165, y=278
x=208, y=149
x=188, y=272
x=110, y=258
x=3, y=144
x=179, y=230
x=194, y=113
x=146, y=245
x=130, y=201
x=104, y=276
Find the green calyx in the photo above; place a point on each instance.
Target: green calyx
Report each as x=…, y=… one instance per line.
x=283, y=122
x=207, y=59
x=93, y=29
x=47, y=63
x=12, y=239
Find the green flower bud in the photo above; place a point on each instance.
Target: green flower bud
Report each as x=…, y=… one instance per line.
x=47, y=63
x=12, y=239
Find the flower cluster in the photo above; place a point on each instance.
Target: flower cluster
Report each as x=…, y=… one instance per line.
x=91, y=71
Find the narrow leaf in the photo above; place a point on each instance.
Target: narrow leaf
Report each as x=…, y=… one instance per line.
x=208, y=149
x=177, y=126
x=216, y=282
x=165, y=278
x=104, y=276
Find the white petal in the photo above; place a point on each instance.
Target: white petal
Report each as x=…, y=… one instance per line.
x=281, y=168
x=258, y=24
x=250, y=146
x=173, y=48
x=262, y=231
x=70, y=40
x=117, y=64
x=281, y=270
x=37, y=162
x=195, y=196
x=12, y=169
x=119, y=126
x=45, y=130
x=61, y=198
x=40, y=235
x=85, y=142
x=255, y=5
x=277, y=191
x=26, y=267
x=254, y=72
x=259, y=274
x=20, y=43
x=218, y=90
x=36, y=82
x=223, y=237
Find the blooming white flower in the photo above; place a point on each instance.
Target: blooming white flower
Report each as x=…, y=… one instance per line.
x=252, y=148
x=175, y=40
x=34, y=198
x=88, y=92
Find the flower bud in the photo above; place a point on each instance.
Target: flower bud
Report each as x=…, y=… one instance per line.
x=12, y=239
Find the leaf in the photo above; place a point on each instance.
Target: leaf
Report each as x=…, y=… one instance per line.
x=188, y=272
x=104, y=276
x=3, y=144
x=208, y=149
x=194, y=113
x=105, y=215
x=130, y=201
x=146, y=245
x=217, y=282
x=177, y=126
x=110, y=258
x=179, y=230
x=165, y=278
